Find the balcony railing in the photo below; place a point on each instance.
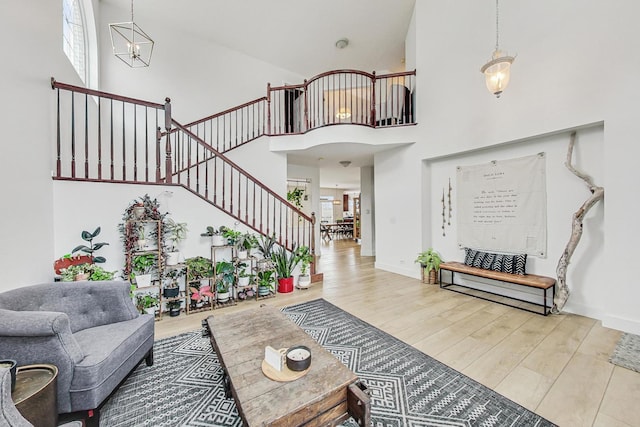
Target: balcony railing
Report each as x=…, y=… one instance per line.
x=332, y=98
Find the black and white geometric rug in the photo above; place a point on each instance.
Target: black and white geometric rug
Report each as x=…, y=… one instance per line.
x=407, y=387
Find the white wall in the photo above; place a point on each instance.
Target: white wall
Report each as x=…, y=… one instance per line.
x=313, y=189
x=565, y=194
x=32, y=53
x=104, y=204
x=200, y=76
x=557, y=84
x=367, y=212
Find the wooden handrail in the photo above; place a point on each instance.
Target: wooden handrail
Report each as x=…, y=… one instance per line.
x=237, y=167
x=57, y=85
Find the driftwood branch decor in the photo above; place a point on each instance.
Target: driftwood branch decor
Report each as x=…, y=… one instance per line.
x=597, y=194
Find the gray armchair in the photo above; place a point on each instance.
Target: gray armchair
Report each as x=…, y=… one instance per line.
x=9, y=415
x=90, y=330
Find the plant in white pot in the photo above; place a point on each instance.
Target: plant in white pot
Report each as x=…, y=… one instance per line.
x=142, y=266
x=244, y=277
x=146, y=303
x=245, y=243
x=305, y=257
x=177, y=232
x=217, y=239
x=430, y=261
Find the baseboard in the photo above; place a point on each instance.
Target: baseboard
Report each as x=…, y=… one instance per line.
x=414, y=272
x=621, y=324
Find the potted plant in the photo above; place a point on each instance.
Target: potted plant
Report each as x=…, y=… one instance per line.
x=430, y=263
x=174, y=307
x=77, y=259
x=217, y=239
x=172, y=288
x=88, y=237
x=198, y=268
x=266, y=282
x=142, y=266
x=177, y=232
x=225, y=276
x=245, y=243
x=146, y=303
x=230, y=235
x=244, y=277
x=142, y=241
x=305, y=257
x=75, y=273
x=265, y=245
x=138, y=209
x=284, y=263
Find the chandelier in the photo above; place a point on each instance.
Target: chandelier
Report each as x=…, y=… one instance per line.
x=132, y=45
x=497, y=70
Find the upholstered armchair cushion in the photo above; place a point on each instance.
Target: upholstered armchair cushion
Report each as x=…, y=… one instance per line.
x=90, y=330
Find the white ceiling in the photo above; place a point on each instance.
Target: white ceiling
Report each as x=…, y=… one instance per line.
x=299, y=36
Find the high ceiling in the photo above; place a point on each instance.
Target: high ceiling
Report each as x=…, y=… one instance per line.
x=299, y=36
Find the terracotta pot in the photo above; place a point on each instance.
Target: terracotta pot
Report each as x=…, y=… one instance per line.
x=61, y=263
x=285, y=285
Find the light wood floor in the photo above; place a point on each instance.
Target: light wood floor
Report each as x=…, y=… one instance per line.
x=556, y=366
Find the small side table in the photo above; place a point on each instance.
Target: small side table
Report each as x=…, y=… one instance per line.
x=35, y=394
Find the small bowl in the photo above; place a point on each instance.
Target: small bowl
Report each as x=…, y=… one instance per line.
x=298, y=358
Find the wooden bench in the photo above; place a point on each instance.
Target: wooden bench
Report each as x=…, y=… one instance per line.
x=529, y=280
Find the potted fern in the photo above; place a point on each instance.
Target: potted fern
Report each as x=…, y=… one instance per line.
x=430, y=261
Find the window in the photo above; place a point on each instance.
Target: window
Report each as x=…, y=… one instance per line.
x=74, y=36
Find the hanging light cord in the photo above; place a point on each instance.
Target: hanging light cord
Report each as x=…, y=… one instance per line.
x=132, y=10
x=497, y=20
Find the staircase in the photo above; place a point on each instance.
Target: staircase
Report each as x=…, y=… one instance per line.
x=104, y=137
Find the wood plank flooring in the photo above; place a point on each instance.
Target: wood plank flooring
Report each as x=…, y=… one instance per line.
x=556, y=366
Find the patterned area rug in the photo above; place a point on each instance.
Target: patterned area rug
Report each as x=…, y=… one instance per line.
x=627, y=352
x=407, y=387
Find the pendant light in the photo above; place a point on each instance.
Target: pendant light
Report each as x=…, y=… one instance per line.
x=497, y=70
x=132, y=45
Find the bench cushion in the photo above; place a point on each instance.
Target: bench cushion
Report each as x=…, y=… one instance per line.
x=506, y=263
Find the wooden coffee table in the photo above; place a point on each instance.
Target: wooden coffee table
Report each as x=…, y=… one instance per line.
x=328, y=394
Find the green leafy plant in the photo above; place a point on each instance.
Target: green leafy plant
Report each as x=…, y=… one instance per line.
x=94, y=272
x=247, y=241
x=144, y=301
x=173, y=275
x=225, y=276
x=265, y=245
x=429, y=260
x=305, y=257
x=174, y=305
x=231, y=235
x=177, y=232
x=284, y=261
x=89, y=250
x=295, y=197
x=143, y=264
x=198, y=268
x=265, y=279
x=211, y=231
